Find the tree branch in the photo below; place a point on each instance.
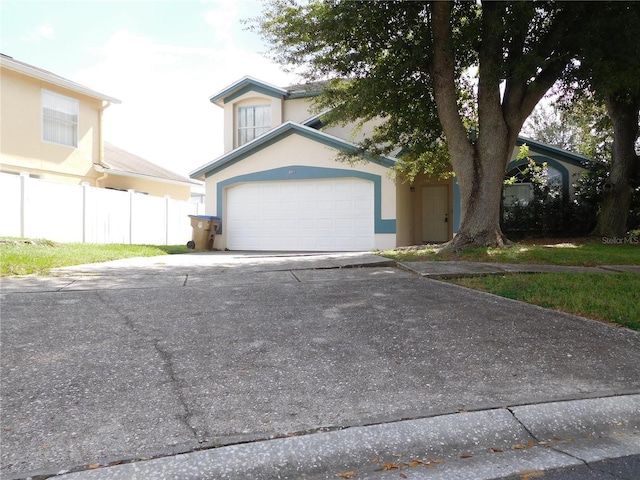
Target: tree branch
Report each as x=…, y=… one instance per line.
x=490, y=71
x=444, y=86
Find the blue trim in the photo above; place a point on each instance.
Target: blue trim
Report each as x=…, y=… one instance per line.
x=247, y=84
x=305, y=94
x=539, y=159
x=253, y=89
x=205, y=217
x=544, y=149
x=301, y=172
x=315, y=122
x=276, y=135
x=456, y=205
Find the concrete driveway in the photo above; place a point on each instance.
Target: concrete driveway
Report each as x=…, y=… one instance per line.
x=130, y=360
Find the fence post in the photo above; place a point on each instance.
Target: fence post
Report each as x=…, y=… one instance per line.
x=85, y=210
x=166, y=219
x=24, y=179
x=131, y=192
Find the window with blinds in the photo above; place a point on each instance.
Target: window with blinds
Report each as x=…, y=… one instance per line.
x=59, y=119
x=253, y=122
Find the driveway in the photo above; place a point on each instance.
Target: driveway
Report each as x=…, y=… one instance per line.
x=143, y=358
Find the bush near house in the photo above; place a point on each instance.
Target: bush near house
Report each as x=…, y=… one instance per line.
x=548, y=214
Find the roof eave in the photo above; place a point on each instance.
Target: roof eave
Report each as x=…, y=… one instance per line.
x=54, y=79
x=122, y=173
x=551, y=150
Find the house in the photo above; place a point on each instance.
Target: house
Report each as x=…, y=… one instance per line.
x=278, y=185
x=52, y=129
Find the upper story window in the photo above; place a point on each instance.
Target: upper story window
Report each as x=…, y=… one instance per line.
x=253, y=122
x=59, y=119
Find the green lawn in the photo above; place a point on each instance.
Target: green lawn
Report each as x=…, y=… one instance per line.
x=608, y=297
x=24, y=257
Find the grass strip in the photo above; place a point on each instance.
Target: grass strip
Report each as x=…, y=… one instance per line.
x=26, y=257
x=588, y=254
x=606, y=297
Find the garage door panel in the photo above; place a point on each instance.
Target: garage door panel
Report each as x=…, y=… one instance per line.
x=325, y=206
x=331, y=214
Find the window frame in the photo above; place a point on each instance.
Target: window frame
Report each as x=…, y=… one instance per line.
x=254, y=129
x=525, y=179
x=75, y=124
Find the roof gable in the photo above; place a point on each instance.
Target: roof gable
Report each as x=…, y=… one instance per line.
x=245, y=85
x=249, y=84
x=277, y=134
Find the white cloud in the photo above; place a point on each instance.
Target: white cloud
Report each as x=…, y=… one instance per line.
x=223, y=18
x=41, y=32
x=166, y=116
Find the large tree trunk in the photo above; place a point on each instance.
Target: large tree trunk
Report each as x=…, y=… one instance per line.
x=479, y=167
x=618, y=190
x=480, y=197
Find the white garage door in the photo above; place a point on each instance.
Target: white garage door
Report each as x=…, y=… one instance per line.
x=301, y=215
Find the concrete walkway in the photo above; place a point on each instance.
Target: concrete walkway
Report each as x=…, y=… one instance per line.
x=464, y=269
x=305, y=366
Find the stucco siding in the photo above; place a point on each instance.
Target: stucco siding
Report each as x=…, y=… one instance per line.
x=351, y=132
x=297, y=110
x=405, y=215
x=23, y=148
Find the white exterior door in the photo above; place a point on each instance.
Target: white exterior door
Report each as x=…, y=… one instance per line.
x=301, y=215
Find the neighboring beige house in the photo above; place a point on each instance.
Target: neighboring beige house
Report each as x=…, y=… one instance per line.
x=52, y=128
x=121, y=170
x=278, y=185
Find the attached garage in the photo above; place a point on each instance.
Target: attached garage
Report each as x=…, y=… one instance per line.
x=301, y=215
x=285, y=191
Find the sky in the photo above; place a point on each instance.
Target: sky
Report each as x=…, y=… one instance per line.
x=163, y=59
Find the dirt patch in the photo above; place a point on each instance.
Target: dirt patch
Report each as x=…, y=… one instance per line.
x=559, y=242
x=26, y=241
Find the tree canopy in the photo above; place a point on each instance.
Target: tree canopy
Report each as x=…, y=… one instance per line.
x=431, y=71
x=609, y=69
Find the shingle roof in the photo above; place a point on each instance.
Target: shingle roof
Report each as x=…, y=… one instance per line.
x=118, y=160
x=302, y=90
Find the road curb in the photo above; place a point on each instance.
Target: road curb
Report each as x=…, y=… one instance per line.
x=490, y=443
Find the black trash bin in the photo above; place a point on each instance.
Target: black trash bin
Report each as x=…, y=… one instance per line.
x=204, y=231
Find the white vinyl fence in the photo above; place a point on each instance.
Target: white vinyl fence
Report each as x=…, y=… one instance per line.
x=33, y=208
